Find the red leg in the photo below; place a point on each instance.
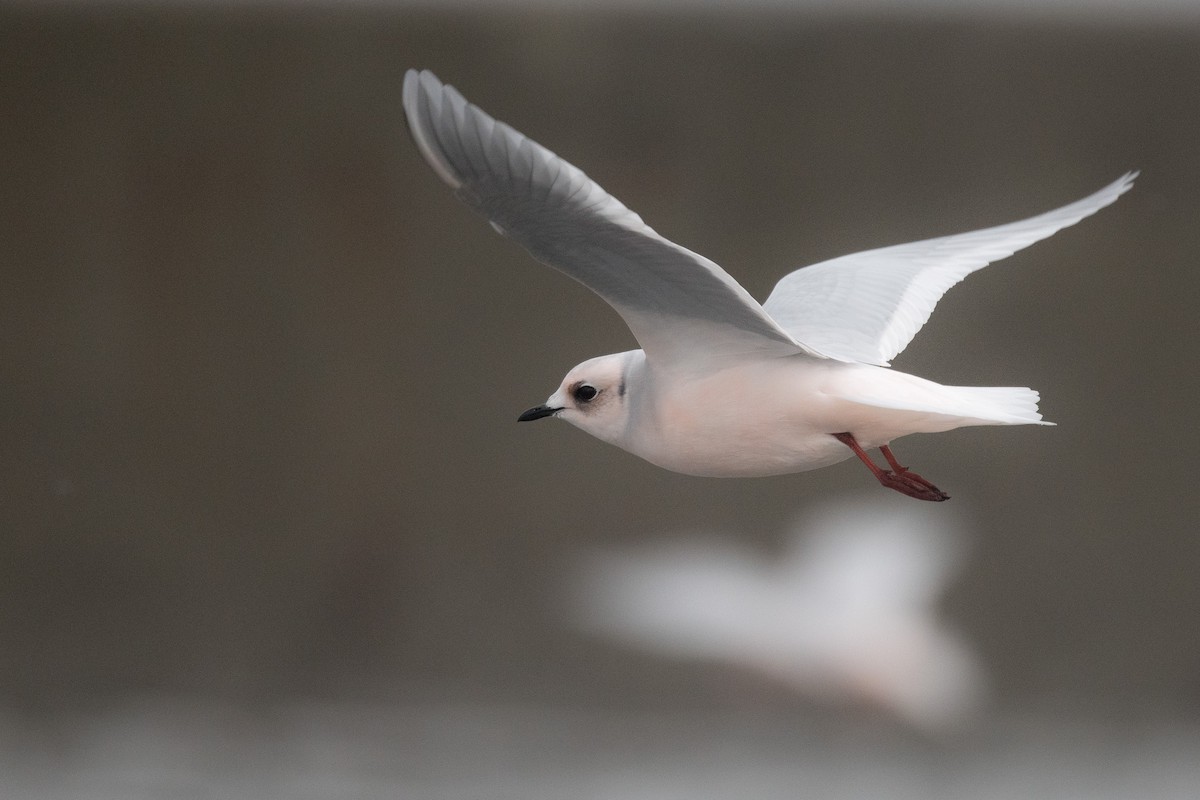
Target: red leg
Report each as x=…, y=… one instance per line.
x=891, y=459
x=898, y=478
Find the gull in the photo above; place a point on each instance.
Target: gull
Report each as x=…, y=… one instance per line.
x=847, y=614
x=723, y=386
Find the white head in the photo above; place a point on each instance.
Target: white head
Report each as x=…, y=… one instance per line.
x=593, y=397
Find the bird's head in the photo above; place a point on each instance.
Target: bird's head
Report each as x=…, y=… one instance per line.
x=593, y=397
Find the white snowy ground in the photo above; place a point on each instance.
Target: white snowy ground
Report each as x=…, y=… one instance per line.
x=170, y=749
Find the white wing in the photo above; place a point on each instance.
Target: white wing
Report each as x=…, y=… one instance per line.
x=867, y=307
x=700, y=598
x=684, y=310
x=872, y=557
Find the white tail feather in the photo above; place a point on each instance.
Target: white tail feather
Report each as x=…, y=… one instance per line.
x=1002, y=405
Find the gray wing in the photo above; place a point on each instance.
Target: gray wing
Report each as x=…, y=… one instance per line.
x=684, y=310
x=868, y=306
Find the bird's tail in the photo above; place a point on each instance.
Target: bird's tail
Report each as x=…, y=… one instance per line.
x=995, y=405
x=933, y=407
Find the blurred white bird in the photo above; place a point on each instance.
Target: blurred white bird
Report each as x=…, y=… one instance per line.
x=846, y=615
x=724, y=386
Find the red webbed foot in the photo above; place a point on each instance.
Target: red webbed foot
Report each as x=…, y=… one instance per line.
x=899, y=478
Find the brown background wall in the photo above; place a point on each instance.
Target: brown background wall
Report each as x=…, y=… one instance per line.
x=261, y=370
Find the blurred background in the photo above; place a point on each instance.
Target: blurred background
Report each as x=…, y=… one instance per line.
x=268, y=527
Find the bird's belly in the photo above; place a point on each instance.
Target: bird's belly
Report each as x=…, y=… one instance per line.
x=748, y=458
x=736, y=432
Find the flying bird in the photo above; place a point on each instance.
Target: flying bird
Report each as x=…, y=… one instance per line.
x=723, y=386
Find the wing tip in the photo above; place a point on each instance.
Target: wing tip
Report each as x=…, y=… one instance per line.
x=418, y=92
x=1124, y=183
x=1112, y=191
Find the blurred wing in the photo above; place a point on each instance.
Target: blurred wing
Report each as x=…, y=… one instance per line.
x=867, y=307
x=873, y=558
x=683, y=308
x=697, y=599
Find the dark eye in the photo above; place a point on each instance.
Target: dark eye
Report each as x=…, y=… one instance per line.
x=585, y=392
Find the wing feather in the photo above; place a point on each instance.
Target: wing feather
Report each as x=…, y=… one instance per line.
x=868, y=306
x=684, y=310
